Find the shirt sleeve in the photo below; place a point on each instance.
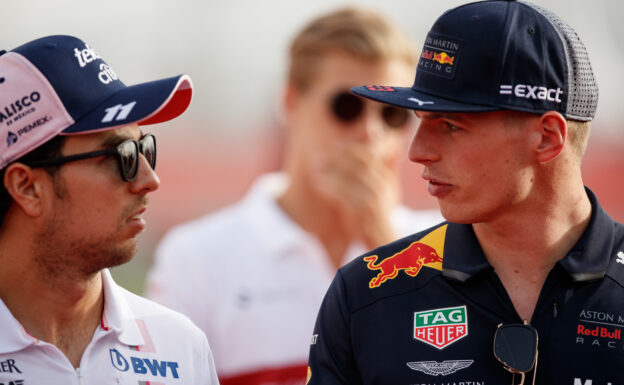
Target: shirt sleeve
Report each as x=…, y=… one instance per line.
x=331, y=360
x=210, y=374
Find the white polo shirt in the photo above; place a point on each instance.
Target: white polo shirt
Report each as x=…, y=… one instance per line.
x=137, y=342
x=253, y=281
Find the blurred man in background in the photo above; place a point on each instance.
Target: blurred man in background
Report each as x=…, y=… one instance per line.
x=253, y=275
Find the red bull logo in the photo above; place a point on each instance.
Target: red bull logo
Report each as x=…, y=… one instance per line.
x=443, y=58
x=308, y=376
x=410, y=260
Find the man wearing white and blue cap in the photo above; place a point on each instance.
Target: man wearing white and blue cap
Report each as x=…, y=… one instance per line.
x=76, y=170
x=528, y=269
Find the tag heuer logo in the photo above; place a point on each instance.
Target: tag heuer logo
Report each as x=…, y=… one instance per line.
x=441, y=327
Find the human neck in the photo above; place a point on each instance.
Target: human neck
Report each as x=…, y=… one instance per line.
x=524, y=245
x=316, y=216
x=59, y=311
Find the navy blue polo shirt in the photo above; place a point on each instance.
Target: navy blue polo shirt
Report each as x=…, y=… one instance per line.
x=424, y=310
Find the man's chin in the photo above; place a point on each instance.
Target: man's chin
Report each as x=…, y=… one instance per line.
x=112, y=257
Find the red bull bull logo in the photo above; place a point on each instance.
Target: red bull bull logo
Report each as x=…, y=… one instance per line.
x=409, y=260
x=443, y=58
x=308, y=376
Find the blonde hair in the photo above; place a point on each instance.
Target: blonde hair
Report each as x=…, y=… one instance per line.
x=363, y=33
x=578, y=136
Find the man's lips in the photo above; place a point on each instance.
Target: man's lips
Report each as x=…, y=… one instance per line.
x=136, y=219
x=437, y=188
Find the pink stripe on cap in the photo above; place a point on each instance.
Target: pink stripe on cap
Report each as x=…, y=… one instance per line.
x=34, y=117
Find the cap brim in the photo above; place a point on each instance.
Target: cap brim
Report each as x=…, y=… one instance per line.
x=406, y=97
x=145, y=103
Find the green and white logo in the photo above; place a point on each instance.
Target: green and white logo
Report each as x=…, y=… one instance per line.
x=441, y=327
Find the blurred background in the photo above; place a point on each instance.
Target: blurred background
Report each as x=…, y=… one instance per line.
x=236, y=53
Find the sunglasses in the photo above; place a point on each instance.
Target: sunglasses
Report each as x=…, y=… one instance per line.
x=126, y=153
x=515, y=346
x=347, y=108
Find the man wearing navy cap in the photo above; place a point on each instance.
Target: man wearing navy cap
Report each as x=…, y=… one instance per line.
x=76, y=170
x=524, y=282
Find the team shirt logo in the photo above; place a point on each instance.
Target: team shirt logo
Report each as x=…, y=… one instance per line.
x=441, y=327
x=439, y=56
x=427, y=251
x=434, y=368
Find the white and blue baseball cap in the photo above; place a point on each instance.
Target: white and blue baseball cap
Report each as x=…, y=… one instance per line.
x=59, y=85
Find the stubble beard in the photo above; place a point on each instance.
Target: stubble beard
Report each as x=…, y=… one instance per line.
x=58, y=256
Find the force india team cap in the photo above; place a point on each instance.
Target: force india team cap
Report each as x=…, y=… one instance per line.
x=495, y=55
x=60, y=85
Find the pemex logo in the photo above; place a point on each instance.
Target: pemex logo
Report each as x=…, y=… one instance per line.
x=441, y=327
x=11, y=139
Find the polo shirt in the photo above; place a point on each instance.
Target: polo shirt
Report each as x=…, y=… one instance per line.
x=137, y=342
x=424, y=310
x=253, y=281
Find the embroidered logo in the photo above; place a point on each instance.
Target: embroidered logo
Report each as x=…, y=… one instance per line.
x=443, y=368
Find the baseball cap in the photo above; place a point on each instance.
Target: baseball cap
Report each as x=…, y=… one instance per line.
x=60, y=85
x=498, y=54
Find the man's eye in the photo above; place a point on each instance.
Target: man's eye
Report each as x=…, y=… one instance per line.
x=452, y=127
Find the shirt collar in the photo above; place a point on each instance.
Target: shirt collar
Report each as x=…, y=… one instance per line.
x=13, y=337
x=586, y=261
x=274, y=231
x=279, y=236
x=118, y=315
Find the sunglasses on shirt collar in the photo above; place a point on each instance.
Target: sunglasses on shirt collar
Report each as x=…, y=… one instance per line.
x=126, y=153
x=348, y=107
x=515, y=346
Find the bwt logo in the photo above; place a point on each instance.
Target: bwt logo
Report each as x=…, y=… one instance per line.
x=143, y=365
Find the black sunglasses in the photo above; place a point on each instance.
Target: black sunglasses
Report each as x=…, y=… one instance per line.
x=126, y=152
x=348, y=107
x=515, y=346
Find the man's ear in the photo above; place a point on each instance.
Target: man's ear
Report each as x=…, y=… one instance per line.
x=25, y=185
x=290, y=100
x=552, y=132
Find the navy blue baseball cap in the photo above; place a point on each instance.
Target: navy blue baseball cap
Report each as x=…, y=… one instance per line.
x=498, y=55
x=60, y=85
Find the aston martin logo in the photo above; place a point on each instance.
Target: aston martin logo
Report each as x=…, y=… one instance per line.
x=443, y=368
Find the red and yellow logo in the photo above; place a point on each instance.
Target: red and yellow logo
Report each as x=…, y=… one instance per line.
x=428, y=251
x=443, y=58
